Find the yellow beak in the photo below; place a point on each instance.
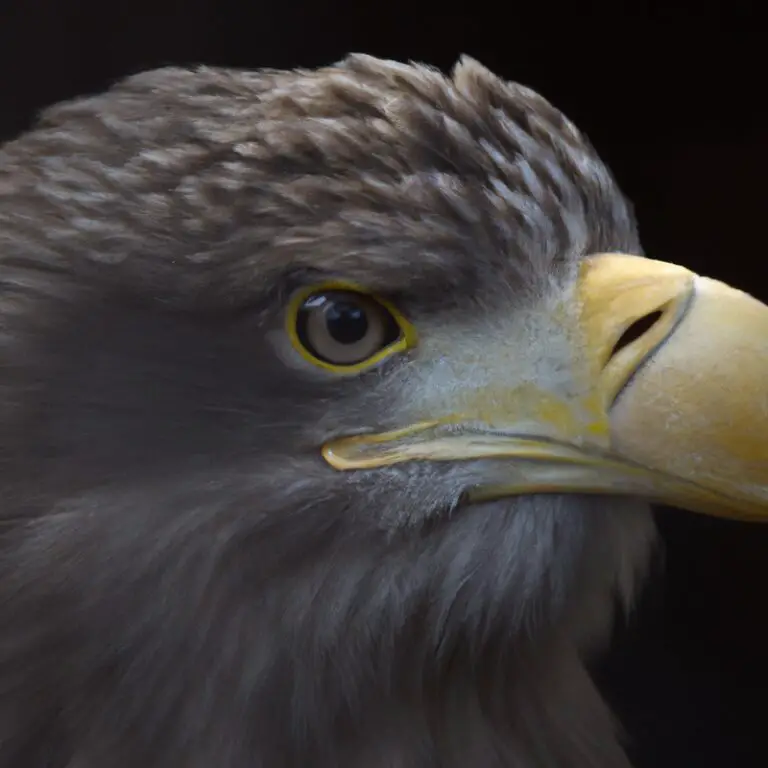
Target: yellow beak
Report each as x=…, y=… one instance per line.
x=673, y=371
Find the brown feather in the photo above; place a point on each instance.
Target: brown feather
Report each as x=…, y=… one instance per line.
x=182, y=581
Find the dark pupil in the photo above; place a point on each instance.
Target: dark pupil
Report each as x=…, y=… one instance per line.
x=347, y=323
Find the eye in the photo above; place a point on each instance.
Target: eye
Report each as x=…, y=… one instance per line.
x=345, y=330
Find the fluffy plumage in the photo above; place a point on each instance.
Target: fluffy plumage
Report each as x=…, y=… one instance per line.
x=183, y=581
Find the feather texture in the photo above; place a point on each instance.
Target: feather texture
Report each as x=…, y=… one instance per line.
x=183, y=582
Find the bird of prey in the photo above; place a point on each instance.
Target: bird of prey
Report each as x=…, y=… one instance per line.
x=332, y=406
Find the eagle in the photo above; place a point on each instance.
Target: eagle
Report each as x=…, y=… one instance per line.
x=332, y=406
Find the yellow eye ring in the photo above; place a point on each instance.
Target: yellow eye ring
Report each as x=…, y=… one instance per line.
x=343, y=328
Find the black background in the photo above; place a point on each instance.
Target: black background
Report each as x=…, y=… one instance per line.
x=674, y=99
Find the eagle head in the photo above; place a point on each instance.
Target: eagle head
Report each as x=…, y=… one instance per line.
x=332, y=404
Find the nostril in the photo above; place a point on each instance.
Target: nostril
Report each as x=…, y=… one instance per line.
x=641, y=326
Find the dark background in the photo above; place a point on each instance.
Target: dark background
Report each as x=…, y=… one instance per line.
x=674, y=99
